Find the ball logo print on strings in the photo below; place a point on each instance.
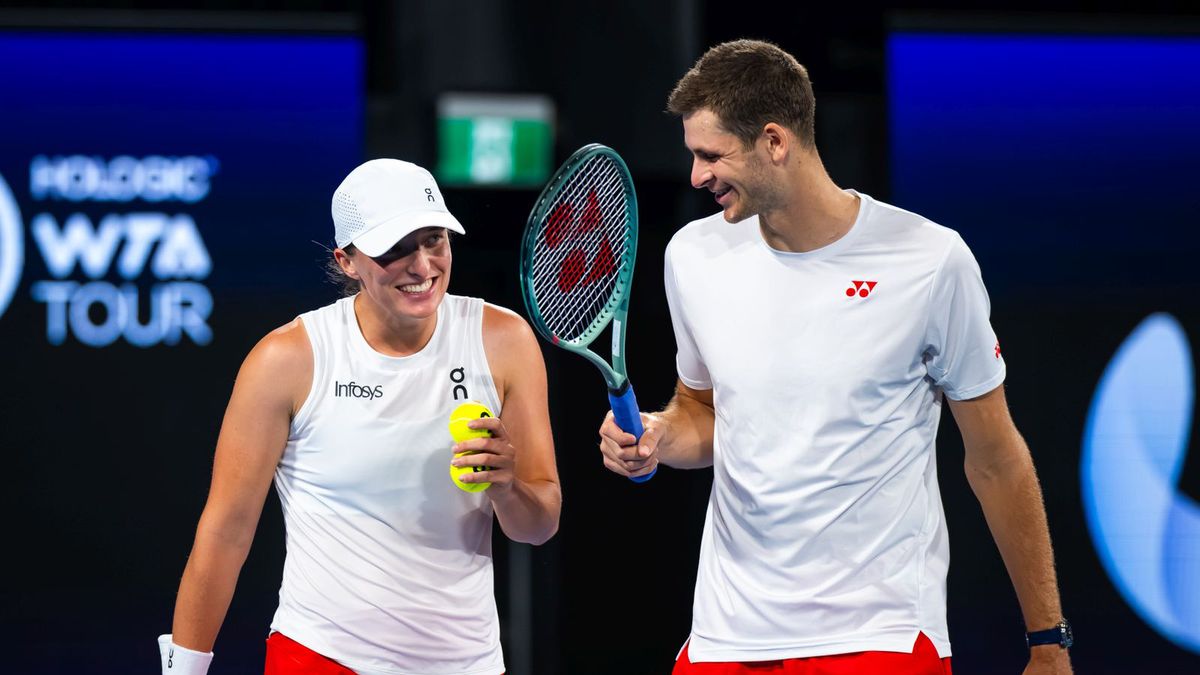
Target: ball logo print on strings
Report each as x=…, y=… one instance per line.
x=459, y=431
x=565, y=225
x=12, y=248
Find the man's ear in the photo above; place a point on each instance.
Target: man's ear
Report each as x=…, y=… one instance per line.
x=777, y=141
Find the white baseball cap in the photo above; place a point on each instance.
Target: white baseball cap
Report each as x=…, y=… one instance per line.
x=382, y=201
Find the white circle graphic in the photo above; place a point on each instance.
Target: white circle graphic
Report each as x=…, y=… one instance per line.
x=12, y=246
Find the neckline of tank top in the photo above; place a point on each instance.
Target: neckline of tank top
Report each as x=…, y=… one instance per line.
x=360, y=344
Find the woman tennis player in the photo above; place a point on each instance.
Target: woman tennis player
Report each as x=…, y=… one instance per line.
x=389, y=566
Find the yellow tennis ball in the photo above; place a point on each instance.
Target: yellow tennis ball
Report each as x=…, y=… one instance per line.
x=465, y=412
x=456, y=471
x=459, y=431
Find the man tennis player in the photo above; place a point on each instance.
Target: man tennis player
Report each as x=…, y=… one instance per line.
x=819, y=334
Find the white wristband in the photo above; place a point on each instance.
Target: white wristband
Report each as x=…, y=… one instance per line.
x=178, y=660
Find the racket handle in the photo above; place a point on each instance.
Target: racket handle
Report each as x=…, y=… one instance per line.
x=627, y=416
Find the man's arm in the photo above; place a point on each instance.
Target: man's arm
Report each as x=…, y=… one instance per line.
x=681, y=436
x=525, y=492
x=1000, y=471
x=276, y=375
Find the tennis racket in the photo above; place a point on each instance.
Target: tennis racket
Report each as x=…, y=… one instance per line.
x=577, y=266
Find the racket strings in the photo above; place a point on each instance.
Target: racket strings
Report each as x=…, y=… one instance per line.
x=577, y=299
x=578, y=212
x=582, y=249
x=587, y=225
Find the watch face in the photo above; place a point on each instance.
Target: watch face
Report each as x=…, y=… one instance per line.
x=1068, y=638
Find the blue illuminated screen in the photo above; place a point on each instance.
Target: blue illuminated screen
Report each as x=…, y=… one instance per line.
x=1064, y=160
x=150, y=182
x=1069, y=165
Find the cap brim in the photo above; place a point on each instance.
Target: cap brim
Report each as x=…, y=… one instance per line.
x=381, y=238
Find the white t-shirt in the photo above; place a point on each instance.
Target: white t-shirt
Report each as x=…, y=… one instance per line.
x=824, y=532
x=389, y=565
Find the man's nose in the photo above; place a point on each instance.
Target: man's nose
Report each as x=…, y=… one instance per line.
x=700, y=174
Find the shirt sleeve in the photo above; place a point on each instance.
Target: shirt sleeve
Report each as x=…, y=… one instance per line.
x=962, y=353
x=688, y=361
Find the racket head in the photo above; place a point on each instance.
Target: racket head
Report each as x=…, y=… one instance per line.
x=578, y=251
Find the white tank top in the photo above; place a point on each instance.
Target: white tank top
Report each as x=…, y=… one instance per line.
x=389, y=565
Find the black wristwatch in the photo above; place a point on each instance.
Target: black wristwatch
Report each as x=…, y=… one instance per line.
x=1059, y=635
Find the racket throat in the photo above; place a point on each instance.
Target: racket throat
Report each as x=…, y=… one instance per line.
x=615, y=379
x=620, y=389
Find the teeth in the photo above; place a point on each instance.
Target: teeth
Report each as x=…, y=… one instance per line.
x=418, y=288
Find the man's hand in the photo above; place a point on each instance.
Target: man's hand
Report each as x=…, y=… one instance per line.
x=620, y=453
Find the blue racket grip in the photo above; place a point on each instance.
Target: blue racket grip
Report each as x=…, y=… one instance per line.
x=629, y=418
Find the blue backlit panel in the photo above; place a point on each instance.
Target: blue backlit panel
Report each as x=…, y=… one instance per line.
x=146, y=179
x=1063, y=160
x=1069, y=164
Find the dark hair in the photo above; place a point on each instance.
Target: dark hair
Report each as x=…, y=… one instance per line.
x=337, y=276
x=746, y=84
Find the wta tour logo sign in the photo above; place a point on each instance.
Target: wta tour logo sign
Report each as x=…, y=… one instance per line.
x=1146, y=532
x=566, y=225
x=12, y=246
x=129, y=272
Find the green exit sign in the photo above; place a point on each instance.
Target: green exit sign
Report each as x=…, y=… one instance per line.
x=495, y=140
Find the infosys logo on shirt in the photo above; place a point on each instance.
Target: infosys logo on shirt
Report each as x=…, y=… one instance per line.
x=1146, y=532
x=355, y=390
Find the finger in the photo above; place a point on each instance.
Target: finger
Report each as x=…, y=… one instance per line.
x=501, y=477
x=492, y=424
x=483, y=459
x=481, y=477
x=647, y=445
x=610, y=430
x=634, y=465
x=496, y=446
x=650, y=467
x=615, y=467
x=617, y=452
x=638, y=449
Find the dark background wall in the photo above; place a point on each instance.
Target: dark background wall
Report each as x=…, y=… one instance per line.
x=109, y=450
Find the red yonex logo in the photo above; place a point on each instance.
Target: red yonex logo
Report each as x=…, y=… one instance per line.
x=860, y=288
x=566, y=226
x=997, y=349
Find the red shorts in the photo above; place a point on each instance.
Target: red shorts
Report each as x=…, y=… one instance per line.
x=922, y=661
x=285, y=656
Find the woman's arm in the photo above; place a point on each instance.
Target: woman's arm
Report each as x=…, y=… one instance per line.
x=271, y=385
